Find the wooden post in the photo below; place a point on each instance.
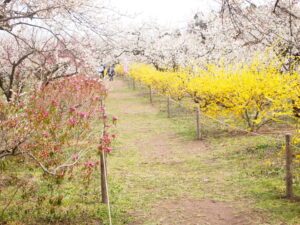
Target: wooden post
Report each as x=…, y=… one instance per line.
x=289, y=175
x=103, y=171
x=129, y=80
x=169, y=106
x=198, y=122
x=150, y=94
x=133, y=83
x=103, y=177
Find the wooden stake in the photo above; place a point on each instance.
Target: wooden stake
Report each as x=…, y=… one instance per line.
x=150, y=94
x=103, y=171
x=198, y=123
x=103, y=177
x=133, y=83
x=129, y=81
x=289, y=175
x=169, y=106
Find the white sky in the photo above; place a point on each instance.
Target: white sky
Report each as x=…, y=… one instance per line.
x=165, y=12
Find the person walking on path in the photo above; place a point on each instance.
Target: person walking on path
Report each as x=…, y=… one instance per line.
x=111, y=72
x=101, y=71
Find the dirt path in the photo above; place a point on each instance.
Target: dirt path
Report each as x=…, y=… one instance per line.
x=168, y=176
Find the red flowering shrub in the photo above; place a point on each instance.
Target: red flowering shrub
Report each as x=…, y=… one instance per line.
x=48, y=123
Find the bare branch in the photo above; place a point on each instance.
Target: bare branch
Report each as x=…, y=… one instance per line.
x=275, y=6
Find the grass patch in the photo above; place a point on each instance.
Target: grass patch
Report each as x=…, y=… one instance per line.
x=238, y=167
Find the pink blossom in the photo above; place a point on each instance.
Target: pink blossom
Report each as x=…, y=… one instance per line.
x=46, y=135
x=72, y=121
x=115, y=118
x=82, y=114
x=72, y=108
x=54, y=102
x=91, y=164
x=113, y=136
x=106, y=140
x=55, y=149
x=105, y=116
x=107, y=149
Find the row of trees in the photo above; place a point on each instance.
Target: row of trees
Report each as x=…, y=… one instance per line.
x=236, y=31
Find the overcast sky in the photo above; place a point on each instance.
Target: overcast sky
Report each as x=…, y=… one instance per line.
x=165, y=12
